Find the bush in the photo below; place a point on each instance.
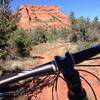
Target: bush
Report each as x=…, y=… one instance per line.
x=57, y=34
x=7, y=26
x=22, y=41
x=72, y=37
x=39, y=35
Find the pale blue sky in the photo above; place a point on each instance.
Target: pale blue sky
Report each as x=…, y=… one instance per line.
x=86, y=8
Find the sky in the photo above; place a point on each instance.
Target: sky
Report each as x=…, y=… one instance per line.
x=86, y=8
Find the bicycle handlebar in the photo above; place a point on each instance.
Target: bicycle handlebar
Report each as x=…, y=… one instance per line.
x=54, y=66
x=86, y=54
x=38, y=71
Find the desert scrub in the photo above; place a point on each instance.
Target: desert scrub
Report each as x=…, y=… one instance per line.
x=22, y=41
x=39, y=35
x=57, y=34
x=7, y=26
x=24, y=44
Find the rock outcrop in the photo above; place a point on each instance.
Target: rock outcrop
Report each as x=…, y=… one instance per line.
x=32, y=16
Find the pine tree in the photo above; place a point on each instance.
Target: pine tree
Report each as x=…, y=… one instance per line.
x=5, y=4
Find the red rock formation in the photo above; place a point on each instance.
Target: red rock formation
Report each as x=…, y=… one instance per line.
x=45, y=16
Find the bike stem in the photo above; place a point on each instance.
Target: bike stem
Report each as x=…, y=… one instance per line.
x=72, y=78
x=75, y=89
x=66, y=66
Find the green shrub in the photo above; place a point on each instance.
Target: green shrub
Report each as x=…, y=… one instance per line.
x=39, y=36
x=7, y=26
x=22, y=41
x=57, y=34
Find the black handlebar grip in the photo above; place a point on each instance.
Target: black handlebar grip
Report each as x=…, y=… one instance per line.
x=86, y=54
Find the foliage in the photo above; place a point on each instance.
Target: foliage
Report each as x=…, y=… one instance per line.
x=57, y=34
x=7, y=26
x=22, y=41
x=5, y=4
x=39, y=35
x=84, y=31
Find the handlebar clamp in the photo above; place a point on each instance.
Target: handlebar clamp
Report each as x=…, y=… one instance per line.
x=72, y=77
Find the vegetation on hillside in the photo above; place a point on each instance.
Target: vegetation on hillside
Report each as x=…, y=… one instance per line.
x=7, y=26
x=85, y=31
x=17, y=43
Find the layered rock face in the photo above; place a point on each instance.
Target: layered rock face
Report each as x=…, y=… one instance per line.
x=44, y=16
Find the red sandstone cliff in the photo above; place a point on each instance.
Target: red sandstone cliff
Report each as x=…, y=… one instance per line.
x=46, y=16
